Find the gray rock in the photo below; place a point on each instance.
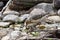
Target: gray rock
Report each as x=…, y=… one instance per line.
x=14, y=35
x=11, y=13
x=5, y=38
x=4, y=24
x=1, y=4
x=53, y=19
x=23, y=17
x=45, y=6
x=59, y=12
x=31, y=1
x=37, y=13
x=11, y=18
x=56, y=3
x=7, y=31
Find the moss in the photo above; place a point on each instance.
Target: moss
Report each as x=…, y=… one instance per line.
x=35, y=33
x=41, y=27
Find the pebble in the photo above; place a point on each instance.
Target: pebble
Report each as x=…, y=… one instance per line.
x=5, y=38
x=14, y=35
x=36, y=13
x=54, y=18
x=1, y=4
x=56, y=4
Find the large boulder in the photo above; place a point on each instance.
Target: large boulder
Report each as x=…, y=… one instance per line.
x=53, y=19
x=1, y=5
x=14, y=35
x=45, y=6
x=37, y=13
x=59, y=12
x=4, y=24
x=35, y=16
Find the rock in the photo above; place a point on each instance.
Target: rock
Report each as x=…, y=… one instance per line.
x=36, y=14
x=22, y=18
x=41, y=26
x=4, y=0
x=56, y=3
x=11, y=13
x=16, y=26
x=3, y=32
x=1, y=4
x=31, y=1
x=22, y=38
x=5, y=38
x=53, y=19
x=14, y=35
x=59, y=12
x=4, y=24
x=45, y=6
x=11, y=18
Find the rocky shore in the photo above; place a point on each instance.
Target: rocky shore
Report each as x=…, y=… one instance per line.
x=30, y=20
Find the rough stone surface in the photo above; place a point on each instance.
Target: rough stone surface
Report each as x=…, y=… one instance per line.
x=9, y=18
x=45, y=6
x=3, y=32
x=23, y=17
x=59, y=12
x=4, y=24
x=37, y=13
x=11, y=13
